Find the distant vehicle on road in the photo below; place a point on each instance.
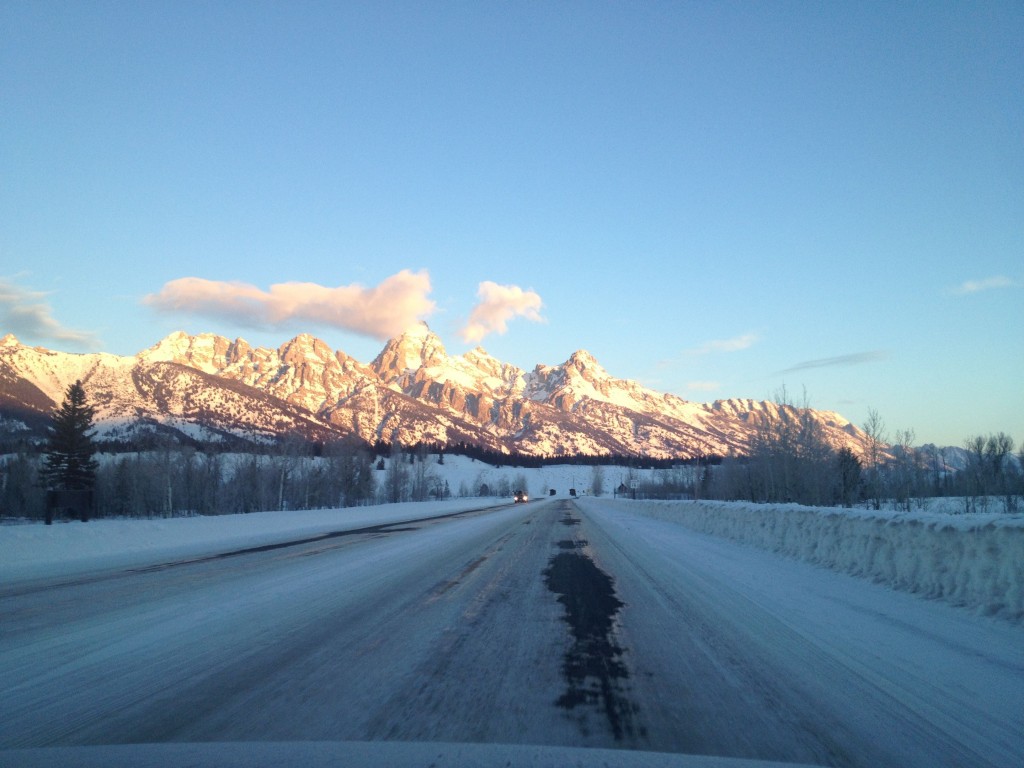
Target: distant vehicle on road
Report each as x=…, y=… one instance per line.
x=521, y=497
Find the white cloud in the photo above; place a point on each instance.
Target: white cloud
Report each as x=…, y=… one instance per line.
x=985, y=284
x=381, y=312
x=858, y=358
x=26, y=315
x=725, y=345
x=497, y=305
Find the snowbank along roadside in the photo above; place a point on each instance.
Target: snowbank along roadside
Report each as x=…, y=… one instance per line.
x=41, y=551
x=974, y=561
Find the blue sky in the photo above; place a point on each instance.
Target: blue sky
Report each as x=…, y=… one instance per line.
x=715, y=199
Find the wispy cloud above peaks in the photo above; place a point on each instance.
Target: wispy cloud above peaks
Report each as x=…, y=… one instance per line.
x=857, y=358
x=985, y=284
x=496, y=306
x=734, y=344
x=380, y=312
x=25, y=314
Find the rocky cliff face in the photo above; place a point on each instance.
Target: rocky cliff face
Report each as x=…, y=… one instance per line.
x=210, y=387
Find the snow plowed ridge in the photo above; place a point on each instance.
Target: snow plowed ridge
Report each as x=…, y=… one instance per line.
x=46, y=551
x=976, y=561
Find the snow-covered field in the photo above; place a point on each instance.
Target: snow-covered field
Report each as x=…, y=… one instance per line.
x=974, y=561
x=732, y=649
x=40, y=551
x=33, y=550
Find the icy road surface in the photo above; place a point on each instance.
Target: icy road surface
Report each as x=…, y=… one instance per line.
x=557, y=623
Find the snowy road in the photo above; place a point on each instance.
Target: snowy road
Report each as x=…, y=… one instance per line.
x=555, y=623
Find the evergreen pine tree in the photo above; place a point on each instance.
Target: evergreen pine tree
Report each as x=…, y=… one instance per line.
x=69, y=463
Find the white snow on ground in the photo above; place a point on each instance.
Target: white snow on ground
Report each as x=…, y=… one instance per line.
x=906, y=663
x=961, y=673
x=354, y=754
x=975, y=561
x=38, y=551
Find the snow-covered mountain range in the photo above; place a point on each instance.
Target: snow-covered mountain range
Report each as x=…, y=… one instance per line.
x=211, y=388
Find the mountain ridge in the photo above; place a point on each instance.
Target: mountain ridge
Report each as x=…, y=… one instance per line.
x=210, y=387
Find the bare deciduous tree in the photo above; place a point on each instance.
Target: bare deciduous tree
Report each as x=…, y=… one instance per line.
x=875, y=439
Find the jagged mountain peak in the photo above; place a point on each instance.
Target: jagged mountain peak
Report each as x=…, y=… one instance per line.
x=206, y=351
x=582, y=357
x=305, y=348
x=303, y=339
x=580, y=365
x=417, y=347
x=478, y=353
x=9, y=341
x=179, y=342
x=586, y=365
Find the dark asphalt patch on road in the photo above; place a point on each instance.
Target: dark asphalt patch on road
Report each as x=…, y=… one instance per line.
x=593, y=666
x=572, y=544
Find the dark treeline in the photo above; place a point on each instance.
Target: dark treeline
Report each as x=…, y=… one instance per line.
x=170, y=479
x=499, y=459
x=789, y=461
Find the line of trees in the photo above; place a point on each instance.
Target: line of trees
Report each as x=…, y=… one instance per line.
x=498, y=459
x=178, y=480
x=788, y=460
x=174, y=480
x=990, y=474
